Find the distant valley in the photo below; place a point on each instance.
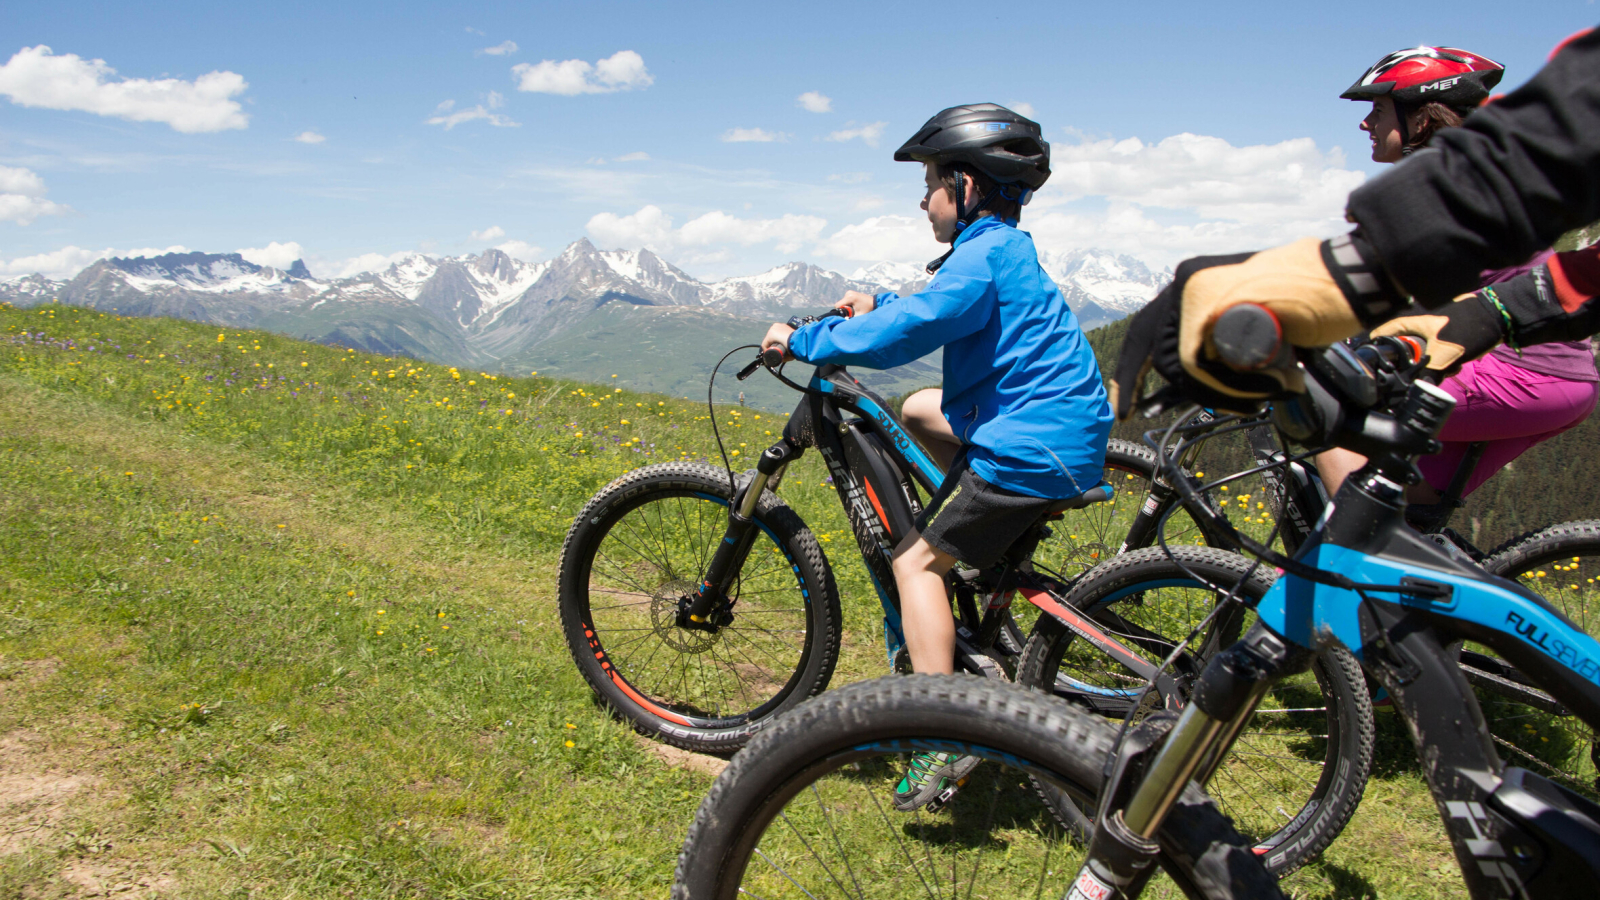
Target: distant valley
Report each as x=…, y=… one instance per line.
x=587, y=314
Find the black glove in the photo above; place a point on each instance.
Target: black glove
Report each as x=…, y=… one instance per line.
x=1456, y=334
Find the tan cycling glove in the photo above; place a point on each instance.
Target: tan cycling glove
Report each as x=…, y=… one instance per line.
x=1320, y=292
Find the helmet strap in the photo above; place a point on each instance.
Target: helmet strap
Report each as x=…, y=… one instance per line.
x=961, y=214
x=961, y=204
x=1401, y=114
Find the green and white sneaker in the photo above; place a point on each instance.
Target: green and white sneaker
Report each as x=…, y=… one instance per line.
x=933, y=776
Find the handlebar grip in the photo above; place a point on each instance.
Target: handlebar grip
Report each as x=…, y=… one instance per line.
x=772, y=357
x=1248, y=337
x=843, y=312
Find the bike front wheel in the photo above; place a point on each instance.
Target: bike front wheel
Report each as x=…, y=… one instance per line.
x=636, y=551
x=1298, y=768
x=805, y=810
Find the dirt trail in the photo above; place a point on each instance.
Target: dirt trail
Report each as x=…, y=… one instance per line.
x=44, y=788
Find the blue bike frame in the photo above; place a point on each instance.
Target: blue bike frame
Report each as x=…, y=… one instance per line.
x=1515, y=833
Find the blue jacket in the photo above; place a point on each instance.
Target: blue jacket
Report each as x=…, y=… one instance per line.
x=1021, y=387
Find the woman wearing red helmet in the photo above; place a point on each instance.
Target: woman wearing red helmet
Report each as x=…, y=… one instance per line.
x=1509, y=399
x=1416, y=92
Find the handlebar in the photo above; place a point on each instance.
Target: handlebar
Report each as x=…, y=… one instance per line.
x=1343, y=383
x=1249, y=338
x=772, y=357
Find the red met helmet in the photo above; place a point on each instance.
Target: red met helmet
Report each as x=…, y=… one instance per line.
x=1456, y=78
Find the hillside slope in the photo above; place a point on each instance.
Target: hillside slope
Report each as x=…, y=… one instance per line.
x=278, y=618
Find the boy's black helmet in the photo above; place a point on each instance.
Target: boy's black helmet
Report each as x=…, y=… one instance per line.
x=1001, y=144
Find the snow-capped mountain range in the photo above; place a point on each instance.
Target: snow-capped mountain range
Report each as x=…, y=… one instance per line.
x=490, y=309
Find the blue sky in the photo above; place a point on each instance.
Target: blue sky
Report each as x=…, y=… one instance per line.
x=643, y=158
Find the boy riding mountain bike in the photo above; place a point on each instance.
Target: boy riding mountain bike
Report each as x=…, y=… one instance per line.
x=1022, y=420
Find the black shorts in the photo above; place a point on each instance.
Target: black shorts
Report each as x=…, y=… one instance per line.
x=975, y=521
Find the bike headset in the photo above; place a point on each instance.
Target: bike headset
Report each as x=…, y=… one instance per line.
x=1419, y=75
x=1005, y=146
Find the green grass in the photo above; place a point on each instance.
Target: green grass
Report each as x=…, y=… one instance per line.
x=272, y=624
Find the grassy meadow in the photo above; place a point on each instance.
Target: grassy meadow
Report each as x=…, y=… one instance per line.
x=278, y=620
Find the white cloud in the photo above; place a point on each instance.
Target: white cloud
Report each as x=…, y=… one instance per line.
x=814, y=101
x=69, y=261
x=442, y=114
x=621, y=71
x=504, y=48
x=787, y=233
x=647, y=227
x=1018, y=106
x=23, y=210
x=489, y=234
x=22, y=197
x=752, y=135
x=471, y=30
x=1190, y=194
x=900, y=239
x=521, y=250
x=21, y=181
x=38, y=78
x=635, y=156
x=650, y=227
x=870, y=134
x=496, y=99
x=276, y=255
x=309, y=137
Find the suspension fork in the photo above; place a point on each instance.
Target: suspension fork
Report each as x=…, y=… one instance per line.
x=706, y=607
x=1232, y=685
x=1160, y=496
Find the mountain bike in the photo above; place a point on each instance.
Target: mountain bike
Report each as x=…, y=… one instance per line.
x=1562, y=560
x=698, y=605
x=1403, y=602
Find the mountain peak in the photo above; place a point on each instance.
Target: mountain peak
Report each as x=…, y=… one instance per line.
x=579, y=248
x=298, y=269
x=173, y=262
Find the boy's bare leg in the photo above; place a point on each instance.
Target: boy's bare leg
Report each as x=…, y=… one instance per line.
x=927, y=424
x=930, y=630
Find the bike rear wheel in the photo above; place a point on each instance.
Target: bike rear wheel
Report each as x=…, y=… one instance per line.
x=804, y=811
x=1296, y=771
x=1560, y=563
x=1086, y=537
x=639, y=547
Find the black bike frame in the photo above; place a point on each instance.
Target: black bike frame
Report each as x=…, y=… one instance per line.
x=876, y=468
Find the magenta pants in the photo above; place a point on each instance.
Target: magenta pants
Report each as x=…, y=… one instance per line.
x=1510, y=409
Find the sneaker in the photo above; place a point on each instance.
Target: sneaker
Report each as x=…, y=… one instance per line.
x=932, y=776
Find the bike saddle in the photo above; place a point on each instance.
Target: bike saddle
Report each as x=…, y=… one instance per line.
x=1098, y=494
